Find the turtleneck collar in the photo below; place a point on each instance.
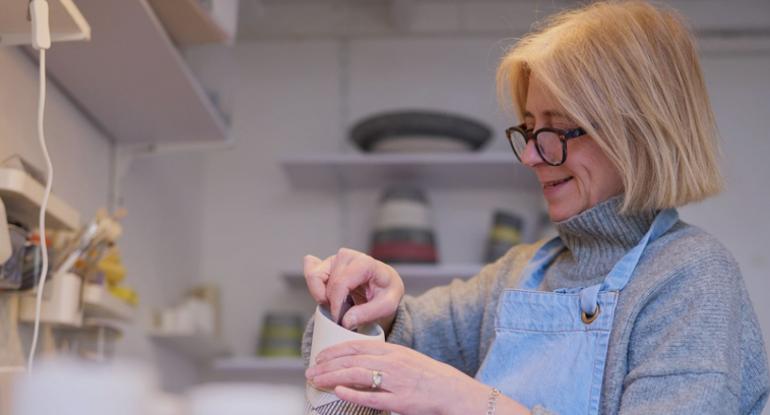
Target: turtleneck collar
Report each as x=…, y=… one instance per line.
x=596, y=239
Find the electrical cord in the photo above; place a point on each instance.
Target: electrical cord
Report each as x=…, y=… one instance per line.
x=41, y=41
x=43, y=207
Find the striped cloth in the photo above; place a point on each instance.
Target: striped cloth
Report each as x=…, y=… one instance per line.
x=341, y=408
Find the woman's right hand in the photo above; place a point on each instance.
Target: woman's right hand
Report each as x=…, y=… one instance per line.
x=376, y=287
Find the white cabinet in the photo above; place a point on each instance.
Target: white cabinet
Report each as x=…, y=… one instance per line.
x=131, y=79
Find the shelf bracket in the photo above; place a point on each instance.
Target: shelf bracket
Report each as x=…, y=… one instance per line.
x=123, y=155
x=120, y=163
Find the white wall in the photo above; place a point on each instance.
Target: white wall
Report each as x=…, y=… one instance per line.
x=80, y=154
x=161, y=249
x=287, y=99
x=161, y=239
x=284, y=102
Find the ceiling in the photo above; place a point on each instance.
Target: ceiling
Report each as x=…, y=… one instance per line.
x=271, y=19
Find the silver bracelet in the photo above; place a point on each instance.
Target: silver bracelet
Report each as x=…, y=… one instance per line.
x=492, y=402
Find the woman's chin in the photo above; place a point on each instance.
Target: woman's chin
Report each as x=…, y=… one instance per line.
x=559, y=212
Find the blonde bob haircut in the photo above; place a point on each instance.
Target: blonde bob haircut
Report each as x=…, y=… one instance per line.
x=628, y=73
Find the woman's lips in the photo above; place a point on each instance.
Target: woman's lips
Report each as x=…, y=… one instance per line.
x=555, y=183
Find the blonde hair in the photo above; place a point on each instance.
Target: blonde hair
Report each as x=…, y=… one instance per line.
x=628, y=73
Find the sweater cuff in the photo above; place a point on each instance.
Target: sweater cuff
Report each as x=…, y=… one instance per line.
x=401, y=331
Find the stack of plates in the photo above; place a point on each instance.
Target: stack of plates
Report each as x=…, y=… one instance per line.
x=403, y=232
x=419, y=131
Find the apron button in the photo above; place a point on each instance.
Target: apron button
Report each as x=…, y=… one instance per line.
x=590, y=319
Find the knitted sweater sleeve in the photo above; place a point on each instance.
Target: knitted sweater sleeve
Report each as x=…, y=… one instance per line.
x=688, y=352
x=446, y=322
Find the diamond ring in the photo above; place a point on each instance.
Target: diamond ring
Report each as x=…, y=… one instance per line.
x=376, y=379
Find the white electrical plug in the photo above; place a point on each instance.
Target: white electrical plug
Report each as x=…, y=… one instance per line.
x=41, y=31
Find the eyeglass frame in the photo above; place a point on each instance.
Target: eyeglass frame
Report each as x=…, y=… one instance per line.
x=564, y=136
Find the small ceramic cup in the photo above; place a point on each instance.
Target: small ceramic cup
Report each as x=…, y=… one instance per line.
x=327, y=333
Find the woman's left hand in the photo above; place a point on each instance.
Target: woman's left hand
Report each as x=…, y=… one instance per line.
x=412, y=383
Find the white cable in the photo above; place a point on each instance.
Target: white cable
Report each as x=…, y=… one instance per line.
x=43, y=207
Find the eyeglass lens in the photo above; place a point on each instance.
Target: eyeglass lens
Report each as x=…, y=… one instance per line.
x=549, y=145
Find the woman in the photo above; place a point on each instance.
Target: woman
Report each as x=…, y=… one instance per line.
x=628, y=310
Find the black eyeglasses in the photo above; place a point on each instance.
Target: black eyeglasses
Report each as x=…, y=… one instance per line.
x=551, y=143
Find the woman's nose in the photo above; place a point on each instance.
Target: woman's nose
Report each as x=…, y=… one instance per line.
x=530, y=157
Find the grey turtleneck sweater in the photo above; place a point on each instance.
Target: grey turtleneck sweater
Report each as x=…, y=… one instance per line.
x=685, y=338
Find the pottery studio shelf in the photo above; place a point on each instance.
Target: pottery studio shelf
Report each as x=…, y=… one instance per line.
x=22, y=196
x=189, y=23
x=417, y=278
x=453, y=170
x=259, y=369
x=200, y=348
x=131, y=80
x=99, y=303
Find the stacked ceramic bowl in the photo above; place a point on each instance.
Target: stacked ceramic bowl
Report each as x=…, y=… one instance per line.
x=403, y=231
x=419, y=131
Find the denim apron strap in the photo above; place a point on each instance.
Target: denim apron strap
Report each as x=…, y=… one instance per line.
x=534, y=272
x=622, y=271
x=550, y=348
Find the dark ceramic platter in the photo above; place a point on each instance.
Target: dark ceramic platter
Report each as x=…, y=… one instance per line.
x=371, y=131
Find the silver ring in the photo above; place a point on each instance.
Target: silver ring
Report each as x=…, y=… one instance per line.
x=376, y=379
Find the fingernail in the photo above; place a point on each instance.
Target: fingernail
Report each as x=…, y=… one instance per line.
x=352, y=321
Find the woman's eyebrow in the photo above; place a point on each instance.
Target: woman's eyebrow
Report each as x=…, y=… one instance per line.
x=548, y=114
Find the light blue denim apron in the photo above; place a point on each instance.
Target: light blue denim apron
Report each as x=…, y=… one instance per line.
x=550, y=348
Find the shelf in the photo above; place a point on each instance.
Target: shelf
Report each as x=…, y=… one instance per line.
x=276, y=370
x=65, y=20
x=188, y=23
x=198, y=347
x=132, y=81
x=417, y=278
x=61, y=305
x=98, y=302
x=455, y=170
x=22, y=197
x=113, y=330
x=259, y=364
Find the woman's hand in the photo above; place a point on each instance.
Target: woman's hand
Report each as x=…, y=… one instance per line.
x=376, y=287
x=412, y=383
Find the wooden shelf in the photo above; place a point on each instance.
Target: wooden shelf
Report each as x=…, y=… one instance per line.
x=132, y=81
x=65, y=20
x=22, y=197
x=417, y=278
x=199, y=347
x=99, y=303
x=455, y=170
x=188, y=23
